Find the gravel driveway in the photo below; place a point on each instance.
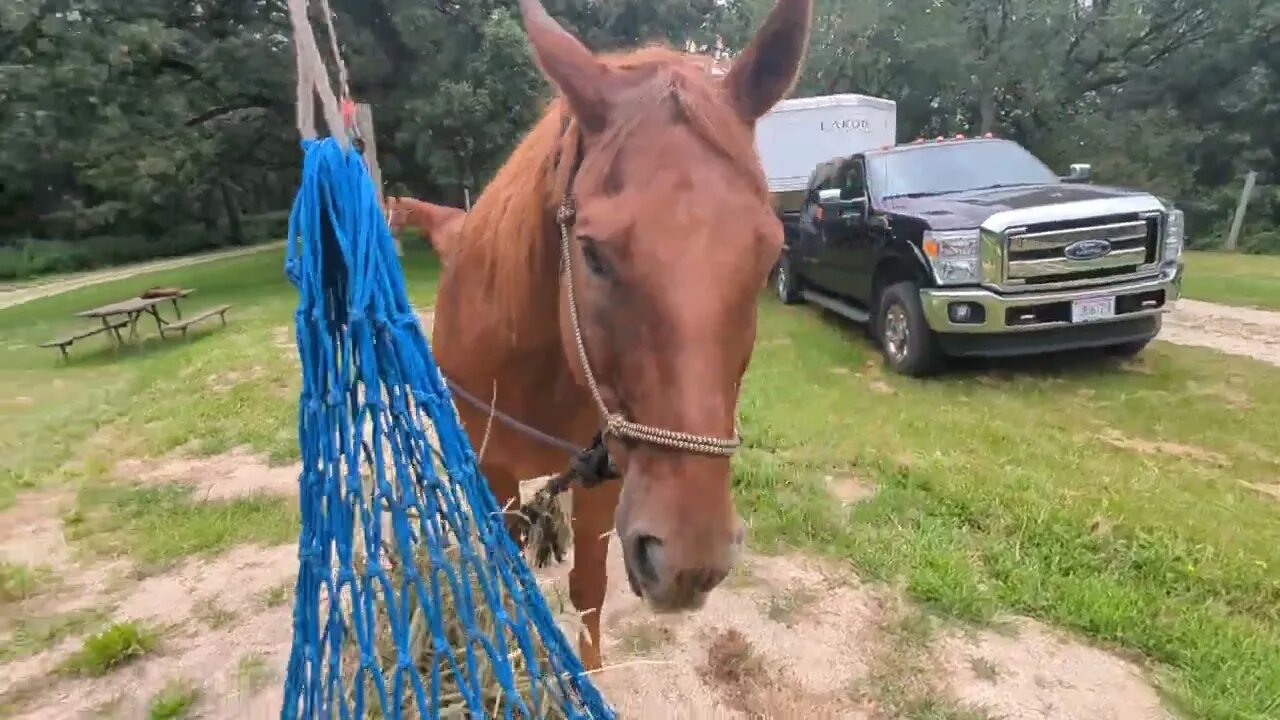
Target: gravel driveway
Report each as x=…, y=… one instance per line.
x=1235, y=330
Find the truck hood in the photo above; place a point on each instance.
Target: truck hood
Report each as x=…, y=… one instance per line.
x=958, y=211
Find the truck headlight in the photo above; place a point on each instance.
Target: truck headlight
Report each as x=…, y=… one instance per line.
x=953, y=255
x=1175, y=231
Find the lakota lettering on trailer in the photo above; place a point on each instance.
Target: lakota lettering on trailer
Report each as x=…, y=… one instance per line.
x=846, y=124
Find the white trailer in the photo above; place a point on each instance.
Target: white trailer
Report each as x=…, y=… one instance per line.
x=799, y=134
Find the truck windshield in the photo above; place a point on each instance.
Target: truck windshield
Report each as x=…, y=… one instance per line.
x=942, y=168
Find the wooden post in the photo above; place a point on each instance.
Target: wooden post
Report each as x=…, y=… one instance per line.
x=364, y=121
x=1237, y=222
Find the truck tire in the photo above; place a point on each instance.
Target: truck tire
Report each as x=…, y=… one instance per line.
x=786, y=284
x=905, y=338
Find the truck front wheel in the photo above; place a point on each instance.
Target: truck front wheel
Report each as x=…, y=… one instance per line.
x=785, y=282
x=906, y=340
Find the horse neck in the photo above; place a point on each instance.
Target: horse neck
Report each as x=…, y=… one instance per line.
x=517, y=353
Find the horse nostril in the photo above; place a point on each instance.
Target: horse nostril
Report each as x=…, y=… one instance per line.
x=648, y=557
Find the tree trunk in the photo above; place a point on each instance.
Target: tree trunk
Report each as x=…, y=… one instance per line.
x=235, y=229
x=987, y=111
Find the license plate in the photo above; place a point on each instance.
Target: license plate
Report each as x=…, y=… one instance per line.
x=1093, y=309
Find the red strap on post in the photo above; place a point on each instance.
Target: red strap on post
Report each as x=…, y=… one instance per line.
x=348, y=113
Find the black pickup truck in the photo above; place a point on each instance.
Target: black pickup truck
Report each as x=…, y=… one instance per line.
x=974, y=247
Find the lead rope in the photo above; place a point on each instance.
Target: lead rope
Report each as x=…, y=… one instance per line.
x=617, y=424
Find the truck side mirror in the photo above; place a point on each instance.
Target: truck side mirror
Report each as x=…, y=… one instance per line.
x=1079, y=173
x=828, y=195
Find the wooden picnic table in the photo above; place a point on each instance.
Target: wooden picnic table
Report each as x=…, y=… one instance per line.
x=133, y=309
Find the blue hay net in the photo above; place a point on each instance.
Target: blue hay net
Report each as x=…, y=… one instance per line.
x=412, y=600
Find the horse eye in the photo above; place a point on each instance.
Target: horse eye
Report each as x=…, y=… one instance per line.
x=591, y=256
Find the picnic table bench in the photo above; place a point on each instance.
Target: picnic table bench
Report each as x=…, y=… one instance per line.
x=126, y=313
x=182, y=325
x=65, y=342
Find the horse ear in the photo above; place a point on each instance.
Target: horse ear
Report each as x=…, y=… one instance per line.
x=568, y=63
x=767, y=69
x=437, y=216
x=441, y=224
x=446, y=230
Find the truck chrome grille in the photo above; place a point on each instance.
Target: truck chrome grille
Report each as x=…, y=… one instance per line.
x=1037, y=253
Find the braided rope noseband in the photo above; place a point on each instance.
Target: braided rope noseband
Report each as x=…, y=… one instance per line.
x=617, y=424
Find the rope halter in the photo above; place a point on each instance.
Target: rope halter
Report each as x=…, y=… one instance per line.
x=616, y=424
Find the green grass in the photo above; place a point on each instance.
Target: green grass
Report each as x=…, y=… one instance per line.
x=174, y=702
x=19, y=582
x=998, y=489
x=117, y=645
x=997, y=492
x=32, y=635
x=253, y=673
x=1233, y=279
x=277, y=596
x=159, y=525
x=106, y=404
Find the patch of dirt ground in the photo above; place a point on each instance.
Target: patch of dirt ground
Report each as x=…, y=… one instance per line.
x=239, y=473
x=215, y=620
x=792, y=637
x=1233, y=330
x=1036, y=673
x=1119, y=440
x=31, y=531
x=849, y=489
x=784, y=637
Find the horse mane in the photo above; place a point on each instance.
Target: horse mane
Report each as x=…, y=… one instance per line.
x=511, y=230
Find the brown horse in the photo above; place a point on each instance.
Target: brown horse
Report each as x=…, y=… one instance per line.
x=642, y=182
x=439, y=223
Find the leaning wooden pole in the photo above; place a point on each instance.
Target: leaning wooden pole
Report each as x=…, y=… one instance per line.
x=364, y=124
x=1237, y=221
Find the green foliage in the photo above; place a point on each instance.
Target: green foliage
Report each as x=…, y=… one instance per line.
x=174, y=702
x=31, y=257
x=1234, y=278
x=119, y=644
x=154, y=128
x=19, y=582
x=1173, y=97
x=35, y=634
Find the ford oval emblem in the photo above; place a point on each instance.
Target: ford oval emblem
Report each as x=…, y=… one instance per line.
x=1087, y=249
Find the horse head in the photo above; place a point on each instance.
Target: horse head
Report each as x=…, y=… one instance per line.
x=667, y=235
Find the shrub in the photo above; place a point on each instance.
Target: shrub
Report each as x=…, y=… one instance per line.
x=28, y=258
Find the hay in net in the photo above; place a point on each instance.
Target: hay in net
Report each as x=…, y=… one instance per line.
x=427, y=655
